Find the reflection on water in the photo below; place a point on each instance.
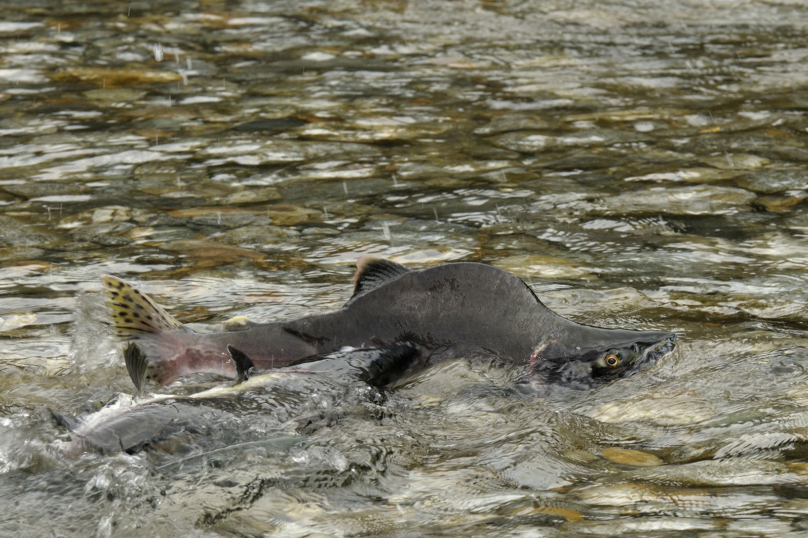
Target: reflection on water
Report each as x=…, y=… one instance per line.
x=638, y=164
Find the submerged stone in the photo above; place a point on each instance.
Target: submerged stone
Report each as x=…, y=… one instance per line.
x=210, y=249
x=287, y=215
x=115, y=78
x=115, y=95
x=741, y=161
x=720, y=473
x=619, y=494
x=104, y=233
x=688, y=175
x=16, y=234
x=15, y=321
x=253, y=196
x=695, y=200
x=42, y=189
x=781, y=204
x=774, y=181
x=224, y=216
x=551, y=267
x=635, y=458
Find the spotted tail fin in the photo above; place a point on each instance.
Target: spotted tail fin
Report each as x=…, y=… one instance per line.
x=166, y=349
x=134, y=312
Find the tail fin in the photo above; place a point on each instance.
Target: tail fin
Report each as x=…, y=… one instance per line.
x=162, y=341
x=136, y=365
x=133, y=312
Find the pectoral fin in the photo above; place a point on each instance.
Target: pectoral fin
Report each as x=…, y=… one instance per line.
x=244, y=366
x=374, y=366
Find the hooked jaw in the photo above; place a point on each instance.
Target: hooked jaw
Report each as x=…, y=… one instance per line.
x=593, y=356
x=655, y=352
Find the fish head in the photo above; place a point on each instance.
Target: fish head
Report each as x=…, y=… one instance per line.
x=593, y=356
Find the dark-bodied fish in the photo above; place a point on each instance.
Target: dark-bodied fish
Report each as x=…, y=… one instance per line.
x=451, y=309
x=128, y=425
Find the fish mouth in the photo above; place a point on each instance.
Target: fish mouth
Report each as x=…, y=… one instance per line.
x=653, y=353
x=581, y=372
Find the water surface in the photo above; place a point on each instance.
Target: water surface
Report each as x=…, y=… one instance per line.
x=639, y=164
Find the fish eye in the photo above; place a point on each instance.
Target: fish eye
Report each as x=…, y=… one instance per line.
x=611, y=360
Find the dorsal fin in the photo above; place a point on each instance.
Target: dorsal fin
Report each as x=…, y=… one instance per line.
x=374, y=272
x=244, y=365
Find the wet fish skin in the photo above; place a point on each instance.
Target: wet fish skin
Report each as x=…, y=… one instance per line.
x=129, y=425
x=455, y=305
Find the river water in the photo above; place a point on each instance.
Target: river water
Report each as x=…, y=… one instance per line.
x=640, y=164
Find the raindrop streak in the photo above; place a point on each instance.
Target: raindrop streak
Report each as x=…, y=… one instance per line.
x=501, y=144
x=158, y=52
